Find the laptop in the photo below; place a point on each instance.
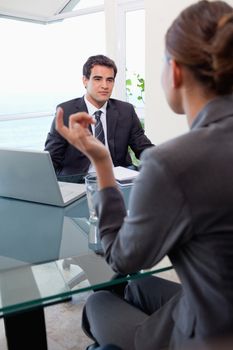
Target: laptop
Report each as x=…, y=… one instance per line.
x=29, y=175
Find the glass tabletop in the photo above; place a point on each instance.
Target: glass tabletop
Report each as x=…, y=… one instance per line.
x=39, y=243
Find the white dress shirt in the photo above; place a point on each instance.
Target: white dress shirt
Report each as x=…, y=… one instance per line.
x=91, y=110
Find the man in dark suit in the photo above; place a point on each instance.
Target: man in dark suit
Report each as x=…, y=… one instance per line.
x=121, y=125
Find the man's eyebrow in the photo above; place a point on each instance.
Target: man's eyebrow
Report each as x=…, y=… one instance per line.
x=101, y=77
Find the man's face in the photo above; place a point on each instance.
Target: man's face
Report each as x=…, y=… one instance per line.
x=99, y=86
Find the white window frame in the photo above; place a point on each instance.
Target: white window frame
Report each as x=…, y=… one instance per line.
x=115, y=17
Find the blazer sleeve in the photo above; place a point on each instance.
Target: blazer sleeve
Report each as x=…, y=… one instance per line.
x=56, y=145
x=157, y=219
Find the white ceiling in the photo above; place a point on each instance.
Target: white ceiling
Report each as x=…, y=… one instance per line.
x=36, y=10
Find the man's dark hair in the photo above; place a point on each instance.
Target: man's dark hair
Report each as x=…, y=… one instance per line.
x=99, y=60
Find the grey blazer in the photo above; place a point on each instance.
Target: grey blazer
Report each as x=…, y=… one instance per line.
x=182, y=206
x=123, y=129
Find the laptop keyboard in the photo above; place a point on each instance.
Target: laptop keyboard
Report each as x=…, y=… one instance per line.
x=66, y=191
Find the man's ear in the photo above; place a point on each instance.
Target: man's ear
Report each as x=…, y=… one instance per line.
x=176, y=74
x=85, y=81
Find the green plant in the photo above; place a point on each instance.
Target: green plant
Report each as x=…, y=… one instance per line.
x=135, y=161
x=135, y=85
x=140, y=87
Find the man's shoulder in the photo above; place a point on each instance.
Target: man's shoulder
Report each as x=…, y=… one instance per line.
x=118, y=104
x=74, y=102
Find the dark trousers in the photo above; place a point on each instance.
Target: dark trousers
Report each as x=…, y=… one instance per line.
x=110, y=319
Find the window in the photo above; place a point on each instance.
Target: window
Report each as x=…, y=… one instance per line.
x=135, y=58
x=41, y=66
x=44, y=68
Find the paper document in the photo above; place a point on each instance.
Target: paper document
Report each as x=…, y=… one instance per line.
x=123, y=175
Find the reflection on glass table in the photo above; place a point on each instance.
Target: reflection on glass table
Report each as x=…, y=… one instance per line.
x=35, y=240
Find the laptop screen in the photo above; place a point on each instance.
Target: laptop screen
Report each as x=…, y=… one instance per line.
x=29, y=175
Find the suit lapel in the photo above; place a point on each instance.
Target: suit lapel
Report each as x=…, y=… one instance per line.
x=82, y=107
x=111, y=120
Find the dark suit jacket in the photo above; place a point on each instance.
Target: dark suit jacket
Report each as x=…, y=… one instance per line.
x=181, y=205
x=123, y=129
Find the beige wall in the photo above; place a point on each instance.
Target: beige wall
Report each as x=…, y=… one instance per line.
x=160, y=122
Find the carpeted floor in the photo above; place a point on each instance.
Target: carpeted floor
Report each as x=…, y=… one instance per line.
x=63, y=324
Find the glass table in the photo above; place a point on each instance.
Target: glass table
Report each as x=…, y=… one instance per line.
x=35, y=242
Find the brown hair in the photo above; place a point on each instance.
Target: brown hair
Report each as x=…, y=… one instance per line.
x=100, y=60
x=201, y=38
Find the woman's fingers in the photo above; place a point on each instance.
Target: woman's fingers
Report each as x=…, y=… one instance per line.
x=77, y=122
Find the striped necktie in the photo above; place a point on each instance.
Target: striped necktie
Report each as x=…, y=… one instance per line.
x=99, y=131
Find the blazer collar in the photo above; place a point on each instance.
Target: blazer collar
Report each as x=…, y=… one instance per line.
x=112, y=116
x=215, y=110
x=111, y=119
x=81, y=105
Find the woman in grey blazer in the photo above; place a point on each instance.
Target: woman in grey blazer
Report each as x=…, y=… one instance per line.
x=181, y=204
